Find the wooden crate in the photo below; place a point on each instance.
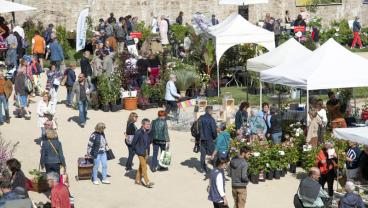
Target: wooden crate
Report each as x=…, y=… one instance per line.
x=85, y=167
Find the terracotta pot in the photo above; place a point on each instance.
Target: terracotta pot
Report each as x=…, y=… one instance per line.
x=130, y=103
x=40, y=187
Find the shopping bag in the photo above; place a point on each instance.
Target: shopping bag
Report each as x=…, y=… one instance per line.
x=165, y=159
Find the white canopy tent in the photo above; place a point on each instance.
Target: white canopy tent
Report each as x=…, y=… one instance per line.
x=330, y=66
x=7, y=6
x=242, y=2
x=358, y=134
x=236, y=30
x=287, y=52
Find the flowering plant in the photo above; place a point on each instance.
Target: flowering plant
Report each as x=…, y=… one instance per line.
x=7, y=150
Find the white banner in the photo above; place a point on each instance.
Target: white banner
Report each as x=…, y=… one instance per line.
x=82, y=29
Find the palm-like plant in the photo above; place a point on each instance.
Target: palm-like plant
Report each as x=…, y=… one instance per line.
x=184, y=79
x=209, y=57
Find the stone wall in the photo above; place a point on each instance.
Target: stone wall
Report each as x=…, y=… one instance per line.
x=347, y=10
x=65, y=12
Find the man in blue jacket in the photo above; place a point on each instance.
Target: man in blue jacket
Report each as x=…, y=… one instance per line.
x=140, y=145
x=57, y=54
x=208, y=133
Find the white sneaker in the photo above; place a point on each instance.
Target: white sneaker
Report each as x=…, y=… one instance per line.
x=106, y=182
x=96, y=182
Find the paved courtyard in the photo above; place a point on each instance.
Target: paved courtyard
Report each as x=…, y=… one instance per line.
x=181, y=187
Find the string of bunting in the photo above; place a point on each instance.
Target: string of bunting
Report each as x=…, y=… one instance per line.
x=187, y=103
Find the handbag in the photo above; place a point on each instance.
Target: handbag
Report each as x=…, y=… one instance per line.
x=109, y=154
x=129, y=139
x=297, y=202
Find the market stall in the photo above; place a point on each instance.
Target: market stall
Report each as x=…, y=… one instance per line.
x=330, y=66
x=358, y=134
x=236, y=30
x=287, y=52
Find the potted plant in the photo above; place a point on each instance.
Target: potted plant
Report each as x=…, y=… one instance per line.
x=292, y=156
x=184, y=80
x=103, y=89
x=211, y=91
x=115, y=88
x=130, y=101
x=39, y=182
x=209, y=57
x=254, y=170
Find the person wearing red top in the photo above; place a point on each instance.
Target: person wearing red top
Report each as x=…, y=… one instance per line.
x=59, y=192
x=326, y=161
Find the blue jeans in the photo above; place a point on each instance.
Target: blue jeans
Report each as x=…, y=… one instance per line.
x=82, y=107
x=154, y=162
x=69, y=95
x=11, y=56
x=276, y=138
x=96, y=163
x=3, y=104
x=206, y=148
x=129, y=162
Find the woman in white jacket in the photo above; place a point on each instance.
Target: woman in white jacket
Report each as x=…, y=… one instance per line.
x=44, y=107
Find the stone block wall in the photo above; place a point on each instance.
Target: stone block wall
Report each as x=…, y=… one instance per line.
x=65, y=12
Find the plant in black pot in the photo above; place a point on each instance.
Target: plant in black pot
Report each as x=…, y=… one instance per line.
x=115, y=95
x=254, y=169
x=103, y=89
x=292, y=155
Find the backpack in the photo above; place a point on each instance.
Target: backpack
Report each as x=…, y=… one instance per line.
x=29, y=85
x=194, y=130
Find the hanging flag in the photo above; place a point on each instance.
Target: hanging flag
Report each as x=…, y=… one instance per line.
x=82, y=29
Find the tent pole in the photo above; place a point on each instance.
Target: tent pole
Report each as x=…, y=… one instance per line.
x=307, y=109
x=260, y=93
x=218, y=79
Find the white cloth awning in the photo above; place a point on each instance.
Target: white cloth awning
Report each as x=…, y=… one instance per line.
x=358, y=134
x=330, y=66
x=236, y=30
x=7, y=6
x=243, y=2
x=289, y=51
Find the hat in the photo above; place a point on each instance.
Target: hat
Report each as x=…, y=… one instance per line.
x=97, y=33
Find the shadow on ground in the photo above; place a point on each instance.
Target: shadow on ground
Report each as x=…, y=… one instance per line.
x=192, y=163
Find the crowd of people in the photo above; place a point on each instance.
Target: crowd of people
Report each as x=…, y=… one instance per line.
x=112, y=36
x=298, y=28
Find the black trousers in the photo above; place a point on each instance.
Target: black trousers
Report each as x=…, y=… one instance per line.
x=52, y=167
x=172, y=106
x=329, y=178
x=219, y=205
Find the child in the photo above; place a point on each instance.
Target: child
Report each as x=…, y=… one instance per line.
x=216, y=188
x=221, y=144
